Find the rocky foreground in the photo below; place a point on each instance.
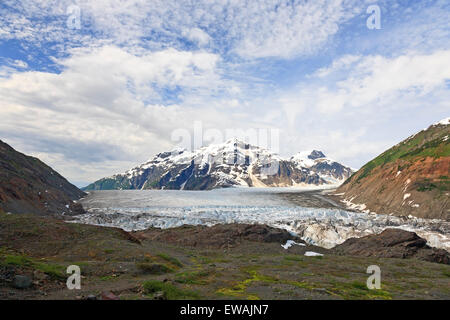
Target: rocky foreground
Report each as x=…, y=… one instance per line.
x=220, y=262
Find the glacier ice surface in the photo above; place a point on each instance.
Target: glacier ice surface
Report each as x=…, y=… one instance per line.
x=138, y=210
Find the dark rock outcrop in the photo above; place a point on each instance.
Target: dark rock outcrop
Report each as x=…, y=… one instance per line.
x=315, y=154
x=392, y=243
x=22, y=282
x=218, y=236
x=27, y=185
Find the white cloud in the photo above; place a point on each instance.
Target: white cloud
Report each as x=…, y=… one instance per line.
x=293, y=29
x=366, y=80
x=339, y=64
x=198, y=36
x=127, y=78
x=253, y=29
x=98, y=111
x=358, y=106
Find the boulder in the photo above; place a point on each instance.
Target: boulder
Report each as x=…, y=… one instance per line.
x=22, y=282
x=109, y=296
x=217, y=236
x=160, y=295
x=392, y=243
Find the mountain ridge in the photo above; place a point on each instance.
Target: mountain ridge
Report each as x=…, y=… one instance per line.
x=233, y=163
x=27, y=185
x=411, y=178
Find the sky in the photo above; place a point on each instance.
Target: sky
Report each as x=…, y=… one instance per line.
x=94, y=88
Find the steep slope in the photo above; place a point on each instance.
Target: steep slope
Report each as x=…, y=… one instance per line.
x=233, y=163
x=411, y=178
x=27, y=185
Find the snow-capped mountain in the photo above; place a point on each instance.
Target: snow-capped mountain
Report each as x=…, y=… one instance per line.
x=328, y=169
x=233, y=163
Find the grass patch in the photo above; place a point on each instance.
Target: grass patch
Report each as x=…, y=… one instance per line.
x=359, y=285
x=153, y=268
x=171, y=292
x=194, y=277
x=409, y=150
x=54, y=271
x=22, y=261
x=358, y=290
x=17, y=260
x=293, y=258
x=442, y=184
x=170, y=259
x=239, y=289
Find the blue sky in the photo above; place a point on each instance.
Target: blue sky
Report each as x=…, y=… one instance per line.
x=99, y=99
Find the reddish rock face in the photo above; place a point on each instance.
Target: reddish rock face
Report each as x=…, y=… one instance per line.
x=412, y=178
x=27, y=185
x=416, y=190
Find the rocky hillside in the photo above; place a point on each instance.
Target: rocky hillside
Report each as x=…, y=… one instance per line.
x=27, y=185
x=222, y=262
x=233, y=163
x=411, y=178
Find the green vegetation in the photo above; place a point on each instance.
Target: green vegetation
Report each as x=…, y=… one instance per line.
x=109, y=184
x=239, y=289
x=193, y=277
x=170, y=259
x=428, y=143
x=358, y=290
x=293, y=258
x=171, y=292
x=442, y=184
x=154, y=268
x=53, y=270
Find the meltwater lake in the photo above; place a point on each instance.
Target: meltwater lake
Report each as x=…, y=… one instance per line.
x=304, y=212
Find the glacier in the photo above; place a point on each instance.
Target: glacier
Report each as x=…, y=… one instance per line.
x=324, y=227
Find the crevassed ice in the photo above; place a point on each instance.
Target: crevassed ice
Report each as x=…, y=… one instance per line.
x=322, y=227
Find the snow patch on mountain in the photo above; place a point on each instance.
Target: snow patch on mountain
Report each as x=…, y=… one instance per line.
x=444, y=122
x=233, y=163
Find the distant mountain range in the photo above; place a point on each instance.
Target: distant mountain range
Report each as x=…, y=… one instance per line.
x=411, y=178
x=233, y=163
x=27, y=185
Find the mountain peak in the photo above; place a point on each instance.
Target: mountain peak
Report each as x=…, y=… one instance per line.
x=444, y=122
x=230, y=163
x=315, y=154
